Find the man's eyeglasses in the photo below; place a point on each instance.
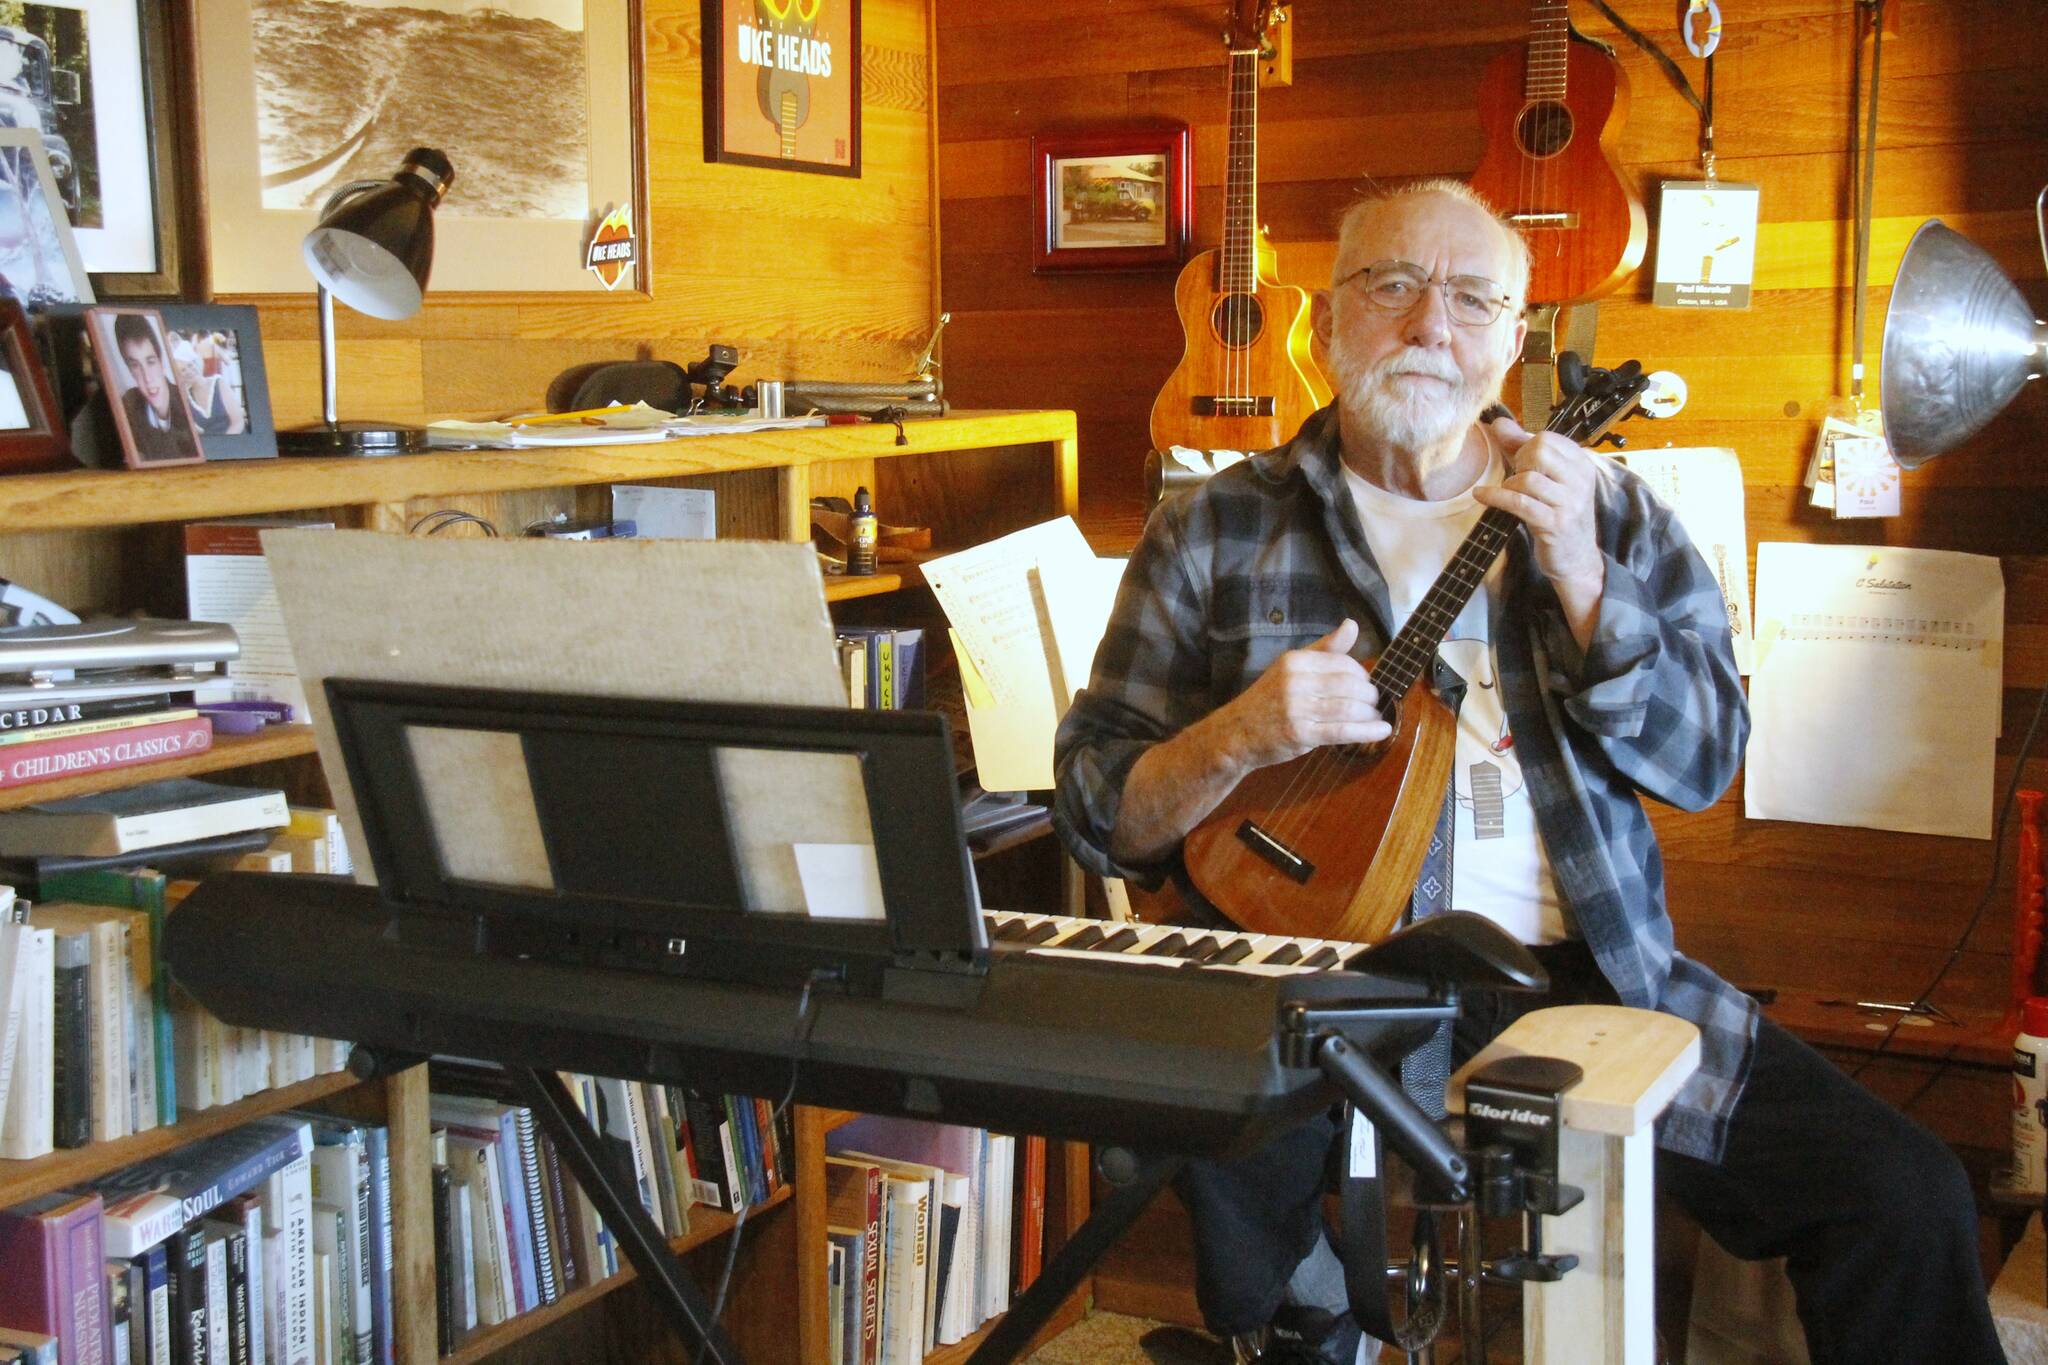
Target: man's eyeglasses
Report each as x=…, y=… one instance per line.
x=1397, y=286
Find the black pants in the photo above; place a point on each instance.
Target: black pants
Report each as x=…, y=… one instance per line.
x=1872, y=1212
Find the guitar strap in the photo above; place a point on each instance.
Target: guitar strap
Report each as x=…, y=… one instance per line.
x=1540, y=351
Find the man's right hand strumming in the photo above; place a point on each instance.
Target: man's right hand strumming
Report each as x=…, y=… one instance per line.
x=1306, y=698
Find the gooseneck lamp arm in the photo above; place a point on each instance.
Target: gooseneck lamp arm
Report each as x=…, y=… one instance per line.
x=328, y=412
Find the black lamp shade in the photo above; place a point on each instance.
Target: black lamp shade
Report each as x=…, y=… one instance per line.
x=374, y=250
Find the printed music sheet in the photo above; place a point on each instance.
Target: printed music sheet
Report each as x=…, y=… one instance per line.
x=1875, y=700
x=1011, y=642
x=1704, y=487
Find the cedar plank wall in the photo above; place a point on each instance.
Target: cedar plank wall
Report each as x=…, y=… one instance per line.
x=823, y=276
x=1390, y=91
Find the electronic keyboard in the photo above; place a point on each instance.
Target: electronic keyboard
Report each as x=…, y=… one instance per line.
x=1168, y=1039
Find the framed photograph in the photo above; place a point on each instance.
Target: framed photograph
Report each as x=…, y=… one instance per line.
x=39, y=262
x=134, y=359
x=1115, y=198
x=32, y=434
x=782, y=84
x=216, y=355
x=537, y=105
x=92, y=76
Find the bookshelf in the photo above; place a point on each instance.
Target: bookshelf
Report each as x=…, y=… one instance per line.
x=106, y=541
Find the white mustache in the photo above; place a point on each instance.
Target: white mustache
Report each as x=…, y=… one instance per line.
x=1418, y=361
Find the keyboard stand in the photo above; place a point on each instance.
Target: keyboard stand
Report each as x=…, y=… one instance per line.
x=670, y=1285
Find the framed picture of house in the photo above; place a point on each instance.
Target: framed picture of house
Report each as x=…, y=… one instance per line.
x=1117, y=198
x=539, y=107
x=782, y=84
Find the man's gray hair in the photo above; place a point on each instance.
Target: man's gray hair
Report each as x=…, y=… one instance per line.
x=1361, y=214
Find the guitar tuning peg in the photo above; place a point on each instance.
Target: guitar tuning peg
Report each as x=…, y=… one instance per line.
x=1618, y=442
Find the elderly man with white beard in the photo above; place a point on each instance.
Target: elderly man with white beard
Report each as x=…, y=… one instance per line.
x=1592, y=668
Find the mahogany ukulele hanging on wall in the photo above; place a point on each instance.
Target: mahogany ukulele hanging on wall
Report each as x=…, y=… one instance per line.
x=1246, y=380
x=1553, y=111
x=1329, y=844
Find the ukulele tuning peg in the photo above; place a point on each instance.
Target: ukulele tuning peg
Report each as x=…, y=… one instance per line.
x=1571, y=373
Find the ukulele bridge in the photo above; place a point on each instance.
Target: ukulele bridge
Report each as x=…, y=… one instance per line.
x=1211, y=405
x=1291, y=864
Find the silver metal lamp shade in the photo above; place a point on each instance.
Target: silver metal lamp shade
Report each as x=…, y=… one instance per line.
x=1959, y=341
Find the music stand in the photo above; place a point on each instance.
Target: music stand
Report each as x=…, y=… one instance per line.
x=643, y=874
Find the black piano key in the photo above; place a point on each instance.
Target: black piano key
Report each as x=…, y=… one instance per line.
x=1324, y=956
x=1009, y=931
x=1044, y=931
x=1200, y=947
x=1236, y=951
x=1169, y=945
x=1120, y=940
x=1281, y=956
x=1085, y=937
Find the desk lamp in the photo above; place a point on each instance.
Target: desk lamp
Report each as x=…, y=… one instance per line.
x=372, y=248
x=1959, y=341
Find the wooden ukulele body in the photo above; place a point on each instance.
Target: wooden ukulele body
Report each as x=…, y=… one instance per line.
x=1551, y=166
x=1249, y=350
x=1359, y=821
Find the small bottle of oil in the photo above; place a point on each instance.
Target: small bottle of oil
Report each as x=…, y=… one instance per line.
x=860, y=555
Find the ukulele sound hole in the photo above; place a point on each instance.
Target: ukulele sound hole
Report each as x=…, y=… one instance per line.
x=1238, y=319
x=1544, y=128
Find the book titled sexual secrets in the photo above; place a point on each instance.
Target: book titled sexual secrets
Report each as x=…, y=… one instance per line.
x=150, y=815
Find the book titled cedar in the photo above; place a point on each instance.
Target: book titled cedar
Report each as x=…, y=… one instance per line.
x=68, y=756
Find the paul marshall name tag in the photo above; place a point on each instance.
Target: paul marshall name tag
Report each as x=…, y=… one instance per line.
x=1706, y=244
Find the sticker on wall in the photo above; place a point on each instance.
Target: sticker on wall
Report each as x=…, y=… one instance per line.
x=611, y=251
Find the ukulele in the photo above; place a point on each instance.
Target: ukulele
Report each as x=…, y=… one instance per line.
x=1553, y=111
x=1246, y=379
x=1329, y=844
x=785, y=96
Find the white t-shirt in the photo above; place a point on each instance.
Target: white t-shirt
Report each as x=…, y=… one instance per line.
x=1498, y=865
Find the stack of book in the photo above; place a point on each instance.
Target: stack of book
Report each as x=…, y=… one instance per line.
x=930, y=1228
x=95, y=1043
x=513, y=1233
x=268, y=1243
x=65, y=739
x=176, y=822
x=883, y=667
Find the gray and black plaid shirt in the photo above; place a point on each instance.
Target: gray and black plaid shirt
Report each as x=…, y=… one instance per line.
x=1270, y=555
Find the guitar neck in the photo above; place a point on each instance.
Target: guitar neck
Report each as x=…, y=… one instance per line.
x=1549, y=49
x=1241, y=180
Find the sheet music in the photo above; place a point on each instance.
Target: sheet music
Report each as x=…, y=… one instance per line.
x=1875, y=700
x=996, y=598
x=1704, y=487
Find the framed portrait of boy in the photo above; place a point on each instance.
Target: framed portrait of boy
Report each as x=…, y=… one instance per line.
x=32, y=434
x=216, y=358
x=133, y=357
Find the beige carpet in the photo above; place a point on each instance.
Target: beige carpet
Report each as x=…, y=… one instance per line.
x=1113, y=1339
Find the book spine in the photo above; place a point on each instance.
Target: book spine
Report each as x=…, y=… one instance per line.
x=13, y=992
x=108, y=1049
x=218, y=1350
x=83, y=1259
x=139, y=1023
x=158, y=1329
x=27, y=1127
x=711, y=1185
x=871, y=1273
x=380, y=1249
x=71, y=1088
x=572, y=1267
x=188, y=1295
x=248, y=1214
x=103, y=725
x=22, y=720
x=288, y=1214
x=237, y=1240
x=23, y=764
x=444, y=1265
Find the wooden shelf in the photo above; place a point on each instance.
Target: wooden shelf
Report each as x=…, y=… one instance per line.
x=228, y=751
x=69, y=1166
x=75, y=499
x=840, y=588
x=706, y=1225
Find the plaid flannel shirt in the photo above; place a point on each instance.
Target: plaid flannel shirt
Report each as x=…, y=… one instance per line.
x=1270, y=555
